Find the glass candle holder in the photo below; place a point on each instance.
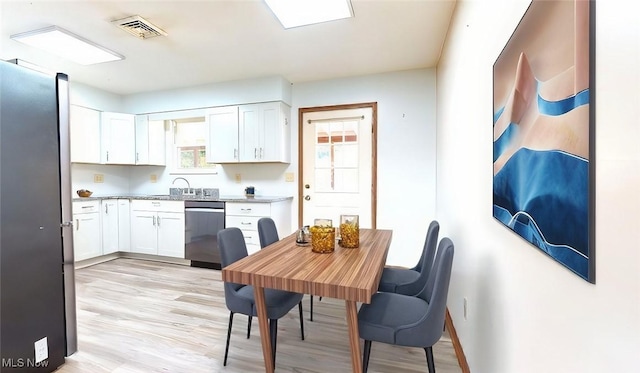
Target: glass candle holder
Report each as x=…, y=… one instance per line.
x=323, y=239
x=349, y=231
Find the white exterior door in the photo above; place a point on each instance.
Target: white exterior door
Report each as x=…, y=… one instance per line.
x=337, y=165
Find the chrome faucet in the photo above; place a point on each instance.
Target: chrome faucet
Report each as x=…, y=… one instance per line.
x=188, y=185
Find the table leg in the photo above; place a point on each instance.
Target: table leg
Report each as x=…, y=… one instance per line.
x=354, y=336
x=263, y=323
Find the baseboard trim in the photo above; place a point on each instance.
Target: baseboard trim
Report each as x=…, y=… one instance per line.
x=457, y=347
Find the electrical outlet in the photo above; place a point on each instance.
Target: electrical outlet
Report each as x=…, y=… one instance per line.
x=153, y=178
x=465, y=307
x=98, y=178
x=238, y=178
x=288, y=177
x=41, y=349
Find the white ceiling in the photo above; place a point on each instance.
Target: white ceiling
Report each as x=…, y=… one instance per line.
x=213, y=41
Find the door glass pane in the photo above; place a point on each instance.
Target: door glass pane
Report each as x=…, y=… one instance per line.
x=351, y=131
x=322, y=133
x=346, y=180
x=323, y=156
x=337, y=159
x=345, y=155
x=324, y=180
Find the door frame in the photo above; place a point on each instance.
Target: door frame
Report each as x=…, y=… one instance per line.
x=374, y=152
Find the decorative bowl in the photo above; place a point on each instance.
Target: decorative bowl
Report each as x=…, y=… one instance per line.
x=84, y=193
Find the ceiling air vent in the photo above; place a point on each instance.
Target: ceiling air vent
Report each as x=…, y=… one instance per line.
x=139, y=27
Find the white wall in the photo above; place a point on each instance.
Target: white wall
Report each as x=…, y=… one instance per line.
x=87, y=96
x=116, y=179
x=248, y=91
x=526, y=312
x=406, y=148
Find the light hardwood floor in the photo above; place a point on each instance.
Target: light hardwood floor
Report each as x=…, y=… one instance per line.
x=144, y=317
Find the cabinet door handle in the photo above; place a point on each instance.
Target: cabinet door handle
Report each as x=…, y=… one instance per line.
x=245, y=223
x=137, y=157
x=154, y=221
x=235, y=153
x=248, y=210
x=106, y=209
x=158, y=221
x=77, y=224
x=261, y=153
x=255, y=153
x=107, y=156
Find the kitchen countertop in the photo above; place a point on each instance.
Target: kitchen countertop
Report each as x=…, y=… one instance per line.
x=166, y=197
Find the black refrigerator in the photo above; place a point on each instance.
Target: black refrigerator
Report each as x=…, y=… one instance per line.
x=37, y=286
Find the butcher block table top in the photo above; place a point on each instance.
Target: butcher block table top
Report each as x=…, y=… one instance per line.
x=349, y=274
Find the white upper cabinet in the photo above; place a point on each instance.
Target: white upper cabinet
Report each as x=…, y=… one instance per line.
x=84, y=131
x=251, y=133
x=150, y=141
x=265, y=132
x=222, y=123
x=118, y=138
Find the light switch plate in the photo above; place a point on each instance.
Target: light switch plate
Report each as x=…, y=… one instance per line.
x=153, y=178
x=238, y=178
x=42, y=350
x=288, y=177
x=98, y=178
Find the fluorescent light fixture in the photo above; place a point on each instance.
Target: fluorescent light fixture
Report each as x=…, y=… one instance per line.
x=61, y=42
x=294, y=13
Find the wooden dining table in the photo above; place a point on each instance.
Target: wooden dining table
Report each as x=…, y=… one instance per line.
x=349, y=274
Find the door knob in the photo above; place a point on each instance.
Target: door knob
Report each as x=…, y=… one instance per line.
x=306, y=186
x=307, y=197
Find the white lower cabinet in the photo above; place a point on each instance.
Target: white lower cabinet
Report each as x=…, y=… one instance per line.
x=87, y=241
x=245, y=215
x=157, y=227
x=116, y=226
x=124, y=225
x=110, y=226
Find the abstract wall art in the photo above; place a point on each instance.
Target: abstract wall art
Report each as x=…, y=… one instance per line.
x=544, y=130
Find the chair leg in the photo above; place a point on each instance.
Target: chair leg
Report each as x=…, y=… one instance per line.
x=311, y=309
x=430, y=363
x=273, y=332
x=226, y=349
x=249, y=327
x=301, y=321
x=365, y=356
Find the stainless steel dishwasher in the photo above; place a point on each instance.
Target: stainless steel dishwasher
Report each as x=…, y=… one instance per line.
x=203, y=221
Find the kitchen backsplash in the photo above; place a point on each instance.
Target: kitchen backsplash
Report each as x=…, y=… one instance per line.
x=268, y=179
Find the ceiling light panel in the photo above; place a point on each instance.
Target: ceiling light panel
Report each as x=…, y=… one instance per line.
x=65, y=44
x=294, y=13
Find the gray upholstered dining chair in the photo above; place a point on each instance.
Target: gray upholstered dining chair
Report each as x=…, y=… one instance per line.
x=405, y=320
x=240, y=298
x=268, y=234
x=410, y=281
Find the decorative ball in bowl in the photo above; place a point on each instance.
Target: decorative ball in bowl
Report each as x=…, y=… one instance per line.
x=84, y=193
